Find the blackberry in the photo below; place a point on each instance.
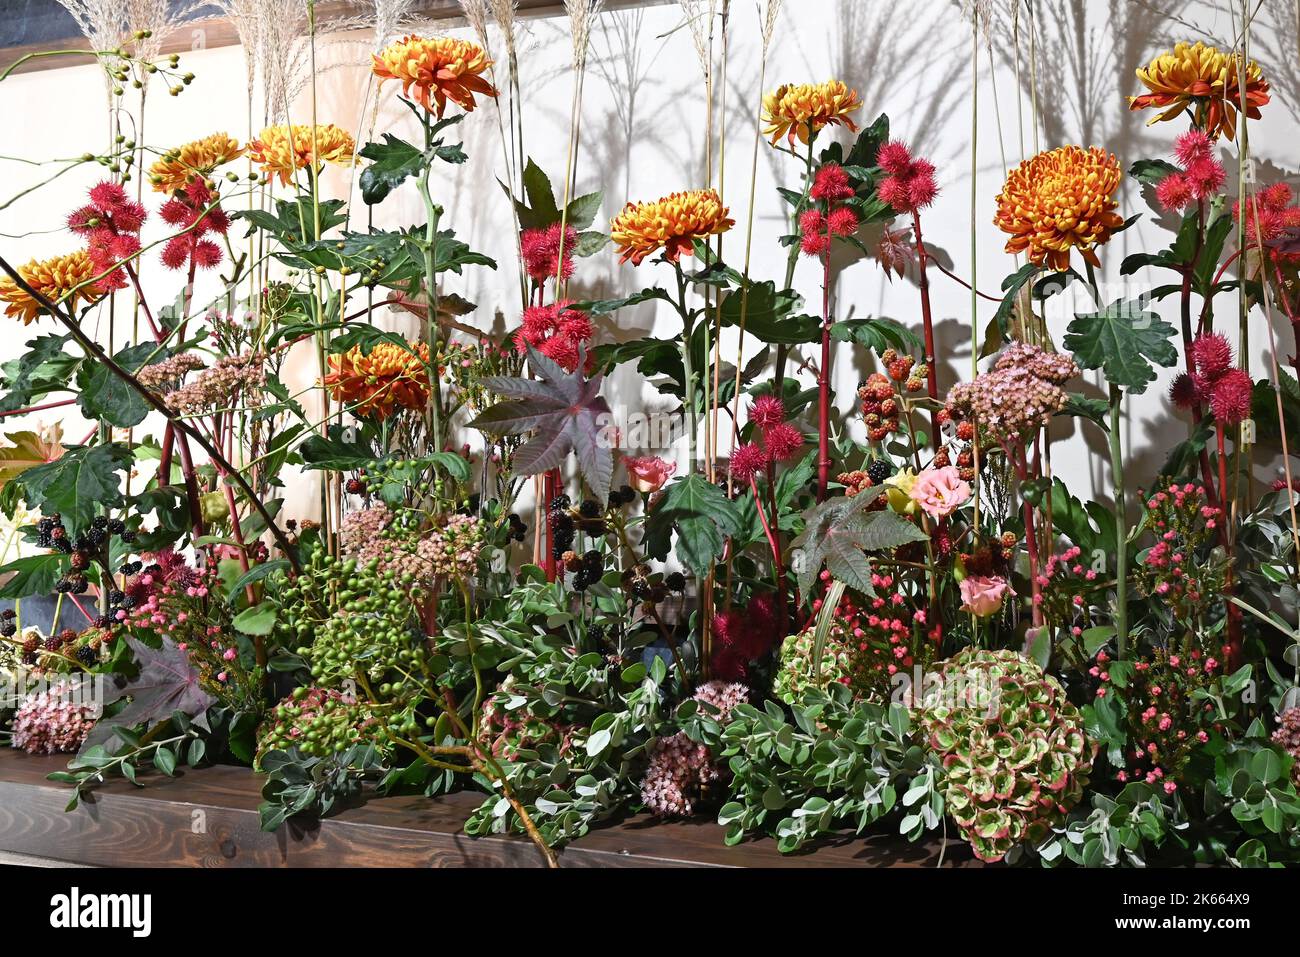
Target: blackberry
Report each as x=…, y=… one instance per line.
x=99, y=522
x=87, y=655
x=80, y=560
x=128, y=602
x=596, y=633
x=53, y=642
x=117, y=526
x=63, y=585
x=589, y=508
x=29, y=648
x=583, y=578
x=116, y=597
x=8, y=629
x=354, y=486
x=78, y=584
x=104, y=621
x=878, y=471
x=560, y=503
x=595, y=561
x=7, y=614
x=128, y=537
x=676, y=581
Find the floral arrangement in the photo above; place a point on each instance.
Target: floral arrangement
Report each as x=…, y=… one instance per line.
x=776, y=621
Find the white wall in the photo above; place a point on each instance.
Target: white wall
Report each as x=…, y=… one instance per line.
x=642, y=136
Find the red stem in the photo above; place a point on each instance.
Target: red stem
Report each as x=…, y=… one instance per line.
x=823, y=382
x=772, y=541
x=923, y=280
x=37, y=408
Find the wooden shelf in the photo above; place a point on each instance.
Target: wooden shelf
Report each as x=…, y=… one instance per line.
x=208, y=818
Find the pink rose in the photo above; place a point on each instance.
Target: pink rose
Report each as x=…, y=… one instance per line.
x=982, y=595
x=648, y=473
x=939, y=491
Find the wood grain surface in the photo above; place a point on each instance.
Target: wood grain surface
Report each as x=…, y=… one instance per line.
x=208, y=818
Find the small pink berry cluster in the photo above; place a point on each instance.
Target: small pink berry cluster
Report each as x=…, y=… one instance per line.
x=174, y=603
x=51, y=722
x=557, y=332
x=1214, y=381
x=779, y=440
x=111, y=226
x=1165, y=719
x=1200, y=175
x=1178, y=569
x=909, y=186
x=881, y=635
x=1063, y=585
x=681, y=773
x=540, y=249
x=833, y=216
x=1287, y=737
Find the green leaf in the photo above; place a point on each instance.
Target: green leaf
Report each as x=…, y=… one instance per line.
x=165, y=762
x=255, y=575
x=34, y=575
x=392, y=162
x=1123, y=340
x=876, y=333
x=837, y=534
x=82, y=481
x=257, y=620
x=103, y=395
x=581, y=212
x=702, y=517
x=43, y=369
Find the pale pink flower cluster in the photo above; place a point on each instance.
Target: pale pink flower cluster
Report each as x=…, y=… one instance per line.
x=48, y=722
x=1287, y=737
x=222, y=385
x=452, y=548
x=678, y=776
x=168, y=372
x=680, y=771
x=1019, y=395
x=723, y=695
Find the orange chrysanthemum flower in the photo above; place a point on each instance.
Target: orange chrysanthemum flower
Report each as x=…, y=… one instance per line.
x=671, y=224
x=798, y=110
x=1205, y=80
x=54, y=279
x=199, y=158
x=436, y=70
x=388, y=377
x=283, y=150
x=1059, y=200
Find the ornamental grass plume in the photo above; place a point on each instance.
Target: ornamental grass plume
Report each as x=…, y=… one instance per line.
x=800, y=111
x=283, y=150
x=1059, y=201
x=436, y=70
x=377, y=383
x=60, y=279
x=671, y=224
x=1205, y=81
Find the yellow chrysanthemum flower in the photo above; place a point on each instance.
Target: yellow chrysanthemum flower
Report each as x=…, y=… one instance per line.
x=283, y=150
x=53, y=279
x=672, y=224
x=199, y=158
x=1205, y=80
x=436, y=70
x=798, y=110
x=1060, y=200
x=391, y=375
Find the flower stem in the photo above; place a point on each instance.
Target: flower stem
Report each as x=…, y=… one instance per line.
x=1121, y=527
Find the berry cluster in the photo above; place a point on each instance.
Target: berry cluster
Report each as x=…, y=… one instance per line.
x=587, y=568
x=1181, y=569
x=1167, y=712
x=90, y=546
x=315, y=721
x=880, y=394
x=859, y=480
